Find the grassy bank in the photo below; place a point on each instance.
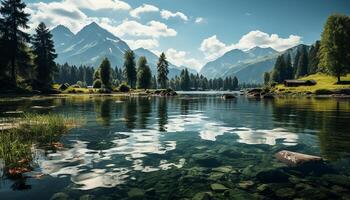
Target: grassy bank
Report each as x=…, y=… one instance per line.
x=20, y=135
x=325, y=84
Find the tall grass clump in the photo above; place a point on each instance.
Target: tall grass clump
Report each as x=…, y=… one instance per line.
x=43, y=131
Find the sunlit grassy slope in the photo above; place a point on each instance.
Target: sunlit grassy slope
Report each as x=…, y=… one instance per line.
x=324, y=81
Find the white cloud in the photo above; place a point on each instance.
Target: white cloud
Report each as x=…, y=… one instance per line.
x=143, y=9
x=199, y=20
x=144, y=43
x=166, y=14
x=180, y=58
x=100, y=4
x=213, y=48
x=56, y=13
x=152, y=29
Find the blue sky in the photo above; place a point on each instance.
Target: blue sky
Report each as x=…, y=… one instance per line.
x=193, y=32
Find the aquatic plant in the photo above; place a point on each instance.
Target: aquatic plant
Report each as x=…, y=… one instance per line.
x=32, y=129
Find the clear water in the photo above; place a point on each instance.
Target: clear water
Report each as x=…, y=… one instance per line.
x=176, y=148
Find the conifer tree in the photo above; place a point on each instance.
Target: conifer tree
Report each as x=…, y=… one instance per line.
x=163, y=71
x=105, y=73
x=13, y=38
x=130, y=68
x=44, y=51
x=144, y=74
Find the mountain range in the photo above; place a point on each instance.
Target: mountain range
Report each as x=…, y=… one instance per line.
x=92, y=44
x=248, y=66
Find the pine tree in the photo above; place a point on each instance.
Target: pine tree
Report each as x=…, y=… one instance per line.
x=13, y=21
x=185, y=80
x=105, y=73
x=289, y=74
x=44, y=51
x=278, y=73
x=163, y=71
x=313, y=58
x=144, y=74
x=302, y=63
x=335, y=45
x=266, y=78
x=130, y=68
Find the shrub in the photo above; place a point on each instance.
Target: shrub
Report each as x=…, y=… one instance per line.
x=323, y=92
x=97, y=83
x=124, y=88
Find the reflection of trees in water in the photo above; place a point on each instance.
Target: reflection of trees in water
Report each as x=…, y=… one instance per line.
x=162, y=113
x=145, y=109
x=103, y=111
x=328, y=116
x=130, y=112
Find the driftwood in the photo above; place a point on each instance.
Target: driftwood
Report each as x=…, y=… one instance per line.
x=296, y=159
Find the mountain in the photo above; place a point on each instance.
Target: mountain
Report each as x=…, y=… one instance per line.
x=235, y=60
x=89, y=46
x=61, y=36
x=93, y=43
x=253, y=63
x=152, y=60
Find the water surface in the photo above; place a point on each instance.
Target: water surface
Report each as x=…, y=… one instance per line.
x=176, y=148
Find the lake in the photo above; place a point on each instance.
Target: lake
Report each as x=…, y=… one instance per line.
x=193, y=145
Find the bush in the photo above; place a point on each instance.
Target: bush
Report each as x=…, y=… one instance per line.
x=97, y=83
x=124, y=88
x=323, y=92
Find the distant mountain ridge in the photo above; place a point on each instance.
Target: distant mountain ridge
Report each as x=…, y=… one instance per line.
x=235, y=60
x=249, y=66
x=92, y=44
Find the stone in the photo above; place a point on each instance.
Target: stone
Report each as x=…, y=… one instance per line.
x=296, y=159
x=245, y=184
x=214, y=176
x=337, y=179
x=223, y=169
x=263, y=188
x=285, y=193
x=59, y=196
x=217, y=187
x=136, y=193
x=150, y=192
x=206, y=160
x=203, y=196
x=87, y=197
x=272, y=176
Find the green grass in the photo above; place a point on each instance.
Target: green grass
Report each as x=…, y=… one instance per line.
x=44, y=131
x=324, y=82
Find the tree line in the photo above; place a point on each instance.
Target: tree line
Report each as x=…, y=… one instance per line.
x=191, y=81
x=329, y=55
x=26, y=60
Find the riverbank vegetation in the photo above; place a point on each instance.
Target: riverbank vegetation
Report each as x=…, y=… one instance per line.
x=18, y=136
x=325, y=62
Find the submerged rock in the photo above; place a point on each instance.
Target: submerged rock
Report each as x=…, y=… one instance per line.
x=245, y=184
x=203, y=196
x=136, y=193
x=285, y=193
x=216, y=176
x=223, y=169
x=335, y=179
x=59, y=196
x=296, y=159
x=217, y=187
x=272, y=176
x=206, y=160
